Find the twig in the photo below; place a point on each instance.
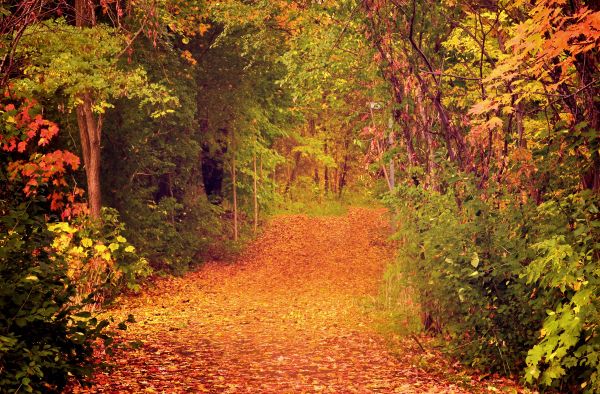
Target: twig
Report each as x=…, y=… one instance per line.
x=418, y=342
x=451, y=75
x=339, y=39
x=130, y=43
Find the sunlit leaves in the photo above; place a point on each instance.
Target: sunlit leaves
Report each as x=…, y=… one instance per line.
x=72, y=61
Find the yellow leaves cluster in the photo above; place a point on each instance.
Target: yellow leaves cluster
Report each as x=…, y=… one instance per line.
x=80, y=251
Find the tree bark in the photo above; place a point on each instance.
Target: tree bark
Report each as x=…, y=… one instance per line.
x=293, y=172
x=90, y=125
x=340, y=181
x=233, y=183
x=255, y=194
x=90, y=134
x=326, y=171
x=85, y=15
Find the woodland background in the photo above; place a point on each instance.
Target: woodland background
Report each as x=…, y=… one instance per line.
x=142, y=137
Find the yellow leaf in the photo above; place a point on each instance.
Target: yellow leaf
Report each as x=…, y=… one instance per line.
x=76, y=250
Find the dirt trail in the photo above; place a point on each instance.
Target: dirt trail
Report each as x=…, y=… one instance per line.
x=288, y=317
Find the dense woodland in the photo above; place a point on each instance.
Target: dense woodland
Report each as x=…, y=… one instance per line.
x=142, y=137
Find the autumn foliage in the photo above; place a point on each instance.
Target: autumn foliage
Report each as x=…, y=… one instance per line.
x=164, y=134
x=26, y=130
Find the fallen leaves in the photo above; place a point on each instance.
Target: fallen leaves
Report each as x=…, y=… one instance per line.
x=285, y=318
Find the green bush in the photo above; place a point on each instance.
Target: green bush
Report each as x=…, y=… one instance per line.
x=45, y=338
x=568, y=265
x=466, y=260
x=172, y=234
x=511, y=284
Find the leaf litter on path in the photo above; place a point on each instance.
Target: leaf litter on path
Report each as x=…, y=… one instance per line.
x=287, y=317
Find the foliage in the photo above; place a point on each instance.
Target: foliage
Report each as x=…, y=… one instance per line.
x=25, y=130
x=99, y=259
x=155, y=183
x=47, y=332
x=172, y=235
x=494, y=277
x=90, y=66
x=566, y=263
x=45, y=337
x=465, y=263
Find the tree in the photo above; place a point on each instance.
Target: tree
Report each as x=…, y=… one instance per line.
x=87, y=75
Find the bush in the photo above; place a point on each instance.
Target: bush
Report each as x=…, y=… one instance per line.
x=172, y=234
x=45, y=338
x=99, y=258
x=513, y=285
x=466, y=260
x=567, y=264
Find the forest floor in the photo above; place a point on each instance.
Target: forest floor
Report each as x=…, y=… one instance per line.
x=292, y=315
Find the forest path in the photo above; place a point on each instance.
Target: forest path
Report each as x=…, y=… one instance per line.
x=287, y=317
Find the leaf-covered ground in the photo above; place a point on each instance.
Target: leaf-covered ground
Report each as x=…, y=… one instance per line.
x=288, y=317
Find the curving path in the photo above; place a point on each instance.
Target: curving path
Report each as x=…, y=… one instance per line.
x=288, y=317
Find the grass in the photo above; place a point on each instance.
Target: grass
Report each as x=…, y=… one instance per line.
x=395, y=308
x=325, y=205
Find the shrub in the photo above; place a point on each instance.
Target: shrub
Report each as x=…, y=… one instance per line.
x=567, y=263
x=513, y=285
x=172, y=234
x=45, y=338
x=465, y=256
x=99, y=258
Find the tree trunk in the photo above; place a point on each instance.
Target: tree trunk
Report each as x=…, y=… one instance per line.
x=90, y=134
x=255, y=194
x=341, y=181
x=85, y=15
x=392, y=167
x=233, y=183
x=90, y=126
x=293, y=172
x=326, y=172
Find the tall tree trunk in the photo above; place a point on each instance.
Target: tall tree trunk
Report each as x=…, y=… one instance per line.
x=233, y=184
x=90, y=134
x=261, y=177
x=326, y=171
x=340, y=181
x=293, y=173
x=90, y=125
x=255, y=194
x=587, y=67
x=392, y=167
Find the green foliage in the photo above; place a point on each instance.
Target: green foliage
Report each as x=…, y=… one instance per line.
x=45, y=338
x=567, y=263
x=69, y=61
x=493, y=276
x=466, y=262
x=173, y=235
x=152, y=171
